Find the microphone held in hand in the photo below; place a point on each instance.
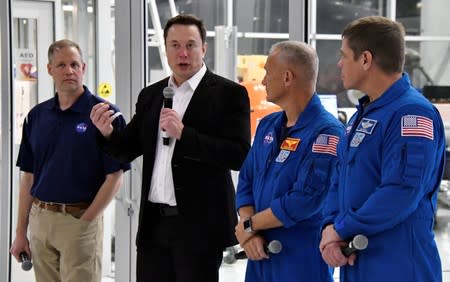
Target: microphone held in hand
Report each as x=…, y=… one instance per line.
x=26, y=262
x=168, y=94
x=274, y=247
x=358, y=243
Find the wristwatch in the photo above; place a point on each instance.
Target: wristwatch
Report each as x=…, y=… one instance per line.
x=248, y=225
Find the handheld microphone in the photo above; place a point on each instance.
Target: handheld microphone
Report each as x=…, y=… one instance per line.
x=168, y=94
x=26, y=262
x=358, y=243
x=274, y=247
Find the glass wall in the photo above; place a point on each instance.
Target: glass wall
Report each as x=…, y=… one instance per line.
x=36, y=24
x=260, y=24
x=80, y=26
x=427, y=42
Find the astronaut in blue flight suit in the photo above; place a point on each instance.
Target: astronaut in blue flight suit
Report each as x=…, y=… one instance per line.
x=285, y=178
x=391, y=161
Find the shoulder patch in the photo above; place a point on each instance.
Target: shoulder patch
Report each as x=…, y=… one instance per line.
x=326, y=144
x=417, y=126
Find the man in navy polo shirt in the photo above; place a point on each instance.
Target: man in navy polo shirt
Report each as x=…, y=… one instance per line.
x=66, y=181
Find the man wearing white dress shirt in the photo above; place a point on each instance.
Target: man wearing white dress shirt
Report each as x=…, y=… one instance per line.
x=187, y=214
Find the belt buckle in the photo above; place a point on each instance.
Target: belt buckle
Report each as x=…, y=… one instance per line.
x=62, y=208
x=53, y=206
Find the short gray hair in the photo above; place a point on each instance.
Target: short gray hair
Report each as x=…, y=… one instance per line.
x=299, y=56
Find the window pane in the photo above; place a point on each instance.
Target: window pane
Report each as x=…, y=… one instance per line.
x=262, y=16
x=428, y=18
x=79, y=26
x=249, y=16
x=427, y=63
x=329, y=80
x=408, y=13
x=333, y=16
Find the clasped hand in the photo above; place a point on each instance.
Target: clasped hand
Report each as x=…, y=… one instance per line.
x=331, y=248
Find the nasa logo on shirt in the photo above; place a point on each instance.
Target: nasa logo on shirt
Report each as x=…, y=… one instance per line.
x=81, y=127
x=268, y=138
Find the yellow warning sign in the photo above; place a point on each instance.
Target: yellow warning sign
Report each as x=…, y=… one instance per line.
x=104, y=90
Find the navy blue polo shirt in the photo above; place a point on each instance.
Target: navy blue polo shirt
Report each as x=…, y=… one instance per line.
x=60, y=149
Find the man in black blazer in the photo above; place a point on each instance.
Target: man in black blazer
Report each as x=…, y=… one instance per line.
x=187, y=213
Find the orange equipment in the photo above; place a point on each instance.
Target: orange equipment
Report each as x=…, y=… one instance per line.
x=259, y=106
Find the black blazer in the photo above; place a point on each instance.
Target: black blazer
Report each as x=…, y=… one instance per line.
x=215, y=139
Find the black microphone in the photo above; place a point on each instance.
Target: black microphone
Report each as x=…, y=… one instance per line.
x=274, y=247
x=168, y=94
x=358, y=243
x=26, y=262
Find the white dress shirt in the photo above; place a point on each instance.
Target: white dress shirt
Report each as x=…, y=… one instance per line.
x=161, y=188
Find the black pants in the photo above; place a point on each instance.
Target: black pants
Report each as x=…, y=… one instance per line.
x=168, y=254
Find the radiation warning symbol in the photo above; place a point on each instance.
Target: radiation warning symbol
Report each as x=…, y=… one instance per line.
x=104, y=90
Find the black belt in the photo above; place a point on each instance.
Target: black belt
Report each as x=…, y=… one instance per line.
x=166, y=210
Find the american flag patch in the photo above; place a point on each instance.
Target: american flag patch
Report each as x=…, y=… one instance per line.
x=418, y=126
x=326, y=144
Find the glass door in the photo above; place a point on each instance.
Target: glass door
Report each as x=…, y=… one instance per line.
x=32, y=32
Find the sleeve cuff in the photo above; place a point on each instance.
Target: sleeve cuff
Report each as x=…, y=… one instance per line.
x=247, y=201
x=343, y=227
x=279, y=213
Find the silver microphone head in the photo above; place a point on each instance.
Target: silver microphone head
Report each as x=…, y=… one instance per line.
x=275, y=247
x=27, y=265
x=229, y=255
x=360, y=242
x=168, y=92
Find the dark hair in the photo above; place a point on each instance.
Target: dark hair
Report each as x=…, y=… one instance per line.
x=382, y=37
x=60, y=44
x=186, y=19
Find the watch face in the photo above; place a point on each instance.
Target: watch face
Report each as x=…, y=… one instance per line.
x=248, y=225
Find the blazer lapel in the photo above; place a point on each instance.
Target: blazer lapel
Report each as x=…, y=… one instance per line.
x=200, y=99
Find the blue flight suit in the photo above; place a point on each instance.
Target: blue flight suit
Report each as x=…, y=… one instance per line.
x=291, y=175
x=391, y=162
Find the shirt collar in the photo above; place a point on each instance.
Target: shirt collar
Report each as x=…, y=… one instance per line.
x=193, y=82
x=392, y=93
x=308, y=115
x=81, y=105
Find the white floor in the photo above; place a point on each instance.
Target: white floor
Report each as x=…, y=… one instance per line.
x=236, y=272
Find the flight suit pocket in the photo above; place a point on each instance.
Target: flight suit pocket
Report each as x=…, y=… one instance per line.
x=413, y=160
x=318, y=177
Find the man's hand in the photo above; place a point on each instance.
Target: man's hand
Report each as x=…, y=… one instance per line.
x=329, y=235
x=20, y=245
x=254, y=248
x=171, y=123
x=332, y=255
x=330, y=248
x=102, y=117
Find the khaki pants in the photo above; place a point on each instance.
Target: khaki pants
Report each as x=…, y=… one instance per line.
x=65, y=248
